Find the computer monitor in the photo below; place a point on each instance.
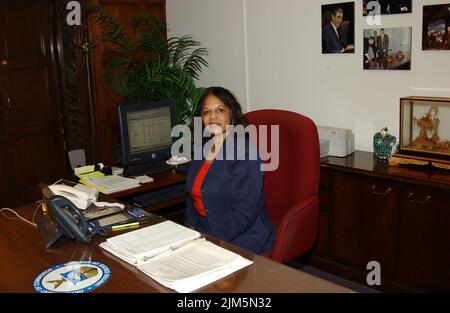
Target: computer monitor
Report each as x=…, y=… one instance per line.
x=145, y=138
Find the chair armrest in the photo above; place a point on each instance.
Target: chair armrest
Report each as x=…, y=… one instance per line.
x=297, y=231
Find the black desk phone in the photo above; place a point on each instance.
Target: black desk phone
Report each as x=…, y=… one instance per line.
x=64, y=219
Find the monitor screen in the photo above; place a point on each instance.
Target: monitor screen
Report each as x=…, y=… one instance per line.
x=149, y=129
x=145, y=132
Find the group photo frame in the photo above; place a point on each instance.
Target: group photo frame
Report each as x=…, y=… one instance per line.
x=387, y=48
x=436, y=27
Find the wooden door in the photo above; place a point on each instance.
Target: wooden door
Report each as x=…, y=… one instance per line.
x=29, y=90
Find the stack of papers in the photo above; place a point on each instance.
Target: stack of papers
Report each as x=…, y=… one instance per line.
x=193, y=266
x=111, y=183
x=139, y=246
x=175, y=256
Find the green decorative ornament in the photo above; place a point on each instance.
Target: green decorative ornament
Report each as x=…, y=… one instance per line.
x=383, y=143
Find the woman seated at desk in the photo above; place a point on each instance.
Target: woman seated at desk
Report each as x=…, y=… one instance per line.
x=225, y=188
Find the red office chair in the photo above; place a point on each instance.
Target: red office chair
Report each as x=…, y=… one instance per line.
x=291, y=191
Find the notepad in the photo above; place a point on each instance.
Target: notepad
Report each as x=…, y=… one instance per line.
x=175, y=256
x=87, y=172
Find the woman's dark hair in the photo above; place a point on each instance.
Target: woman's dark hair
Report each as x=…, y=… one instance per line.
x=230, y=101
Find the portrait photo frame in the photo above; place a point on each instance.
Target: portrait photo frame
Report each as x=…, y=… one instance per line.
x=338, y=28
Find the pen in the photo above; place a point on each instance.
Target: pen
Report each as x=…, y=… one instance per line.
x=134, y=224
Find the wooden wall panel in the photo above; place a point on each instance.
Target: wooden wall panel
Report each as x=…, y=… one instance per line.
x=106, y=100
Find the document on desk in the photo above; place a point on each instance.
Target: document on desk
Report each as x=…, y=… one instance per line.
x=137, y=247
x=175, y=256
x=111, y=183
x=193, y=266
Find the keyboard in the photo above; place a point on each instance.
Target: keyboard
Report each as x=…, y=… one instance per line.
x=160, y=195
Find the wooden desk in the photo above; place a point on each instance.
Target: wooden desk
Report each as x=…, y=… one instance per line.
x=171, y=209
x=23, y=258
x=162, y=179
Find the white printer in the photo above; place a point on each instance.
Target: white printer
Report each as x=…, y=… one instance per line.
x=340, y=141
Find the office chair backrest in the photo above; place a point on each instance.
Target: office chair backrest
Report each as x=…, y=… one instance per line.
x=297, y=176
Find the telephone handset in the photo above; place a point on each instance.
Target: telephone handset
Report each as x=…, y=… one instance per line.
x=82, y=196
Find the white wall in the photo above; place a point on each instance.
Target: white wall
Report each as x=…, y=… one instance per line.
x=218, y=25
x=269, y=53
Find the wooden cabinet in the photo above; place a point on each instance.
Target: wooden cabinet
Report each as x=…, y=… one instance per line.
x=397, y=216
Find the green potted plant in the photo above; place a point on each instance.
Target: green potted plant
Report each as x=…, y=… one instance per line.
x=150, y=67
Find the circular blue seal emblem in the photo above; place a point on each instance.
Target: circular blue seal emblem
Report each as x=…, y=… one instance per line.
x=72, y=277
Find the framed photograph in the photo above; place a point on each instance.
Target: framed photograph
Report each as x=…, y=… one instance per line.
x=387, y=48
x=338, y=28
x=436, y=27
x=425, y=127
x=385, y=7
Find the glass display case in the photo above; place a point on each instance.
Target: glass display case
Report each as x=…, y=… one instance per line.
x=425, y=127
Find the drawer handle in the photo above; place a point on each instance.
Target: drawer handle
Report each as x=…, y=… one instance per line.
x=384, y=194
x=412, y=200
